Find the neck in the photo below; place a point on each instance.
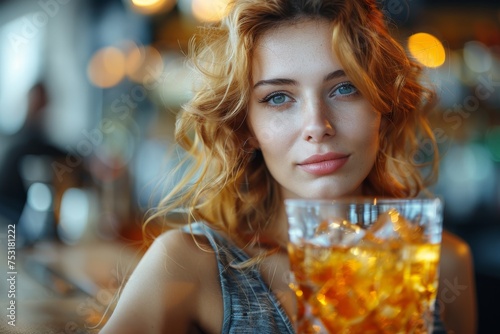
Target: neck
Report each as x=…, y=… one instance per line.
x=278, y=230
x=274, y=236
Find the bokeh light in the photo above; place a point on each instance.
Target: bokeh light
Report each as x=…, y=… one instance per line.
x=477, y=57
x=150, y=7
x=176, y=86
x=39, y=196
x=74, y=215
x=146, y=3
x=467, y=171
x=19, y=66
x=209, y=11
x=427, y=49
x=106, y=67
x=143, y=63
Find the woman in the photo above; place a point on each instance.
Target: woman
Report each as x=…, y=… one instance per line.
x=296, y=99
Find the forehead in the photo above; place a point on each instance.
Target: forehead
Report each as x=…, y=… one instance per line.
x=302, y=45
x=297, y=31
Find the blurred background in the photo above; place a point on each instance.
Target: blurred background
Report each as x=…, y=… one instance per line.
x=89, y=90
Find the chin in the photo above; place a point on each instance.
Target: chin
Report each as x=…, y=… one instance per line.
x=331, y=194
x=323, y=191
x=325, y=195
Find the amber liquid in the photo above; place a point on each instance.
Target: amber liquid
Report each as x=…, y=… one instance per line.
x=388, y=288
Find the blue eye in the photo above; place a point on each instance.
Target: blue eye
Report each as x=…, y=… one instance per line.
x=344, y=89
x=276, y=99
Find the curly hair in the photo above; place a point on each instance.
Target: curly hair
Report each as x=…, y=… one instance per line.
x=228, y=186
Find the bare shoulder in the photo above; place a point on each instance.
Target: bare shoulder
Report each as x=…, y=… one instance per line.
x=164, y=290
x=455, y=249
x=182, y=249
x=457, y=291
x=456, y=261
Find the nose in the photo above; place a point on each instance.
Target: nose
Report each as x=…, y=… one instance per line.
x=316, y=123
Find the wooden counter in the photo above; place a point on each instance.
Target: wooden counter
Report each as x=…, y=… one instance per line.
x=64, y=289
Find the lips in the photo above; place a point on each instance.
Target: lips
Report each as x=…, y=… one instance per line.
x=323, y=164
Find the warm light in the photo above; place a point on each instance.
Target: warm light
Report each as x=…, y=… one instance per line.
x=143, y=64
x=427, y=49
x=133, y=58
x=152, y=6
x=145, y=3
x=209, y=11
x=426, y=254
x=106, y=67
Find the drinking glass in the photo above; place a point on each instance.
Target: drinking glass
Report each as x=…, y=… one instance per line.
x=364, y=265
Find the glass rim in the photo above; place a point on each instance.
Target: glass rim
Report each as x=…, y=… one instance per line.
x=364, y=200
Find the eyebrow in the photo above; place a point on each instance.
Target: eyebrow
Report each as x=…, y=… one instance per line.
x=334, y=75
x=276, y=82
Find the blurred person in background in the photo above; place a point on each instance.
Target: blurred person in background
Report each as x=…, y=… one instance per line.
x=27, y=157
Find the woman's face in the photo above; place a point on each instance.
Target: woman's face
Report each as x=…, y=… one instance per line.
x=318, y=135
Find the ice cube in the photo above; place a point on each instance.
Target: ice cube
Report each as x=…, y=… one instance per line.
x=337, y=232
x=391, y=225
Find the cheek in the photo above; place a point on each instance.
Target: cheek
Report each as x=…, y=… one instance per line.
x=370, y=124
x=269, y=131
x=372, y=140
x=373, y=131
x=363, y=129
x=266, y=134
x=366, y=138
